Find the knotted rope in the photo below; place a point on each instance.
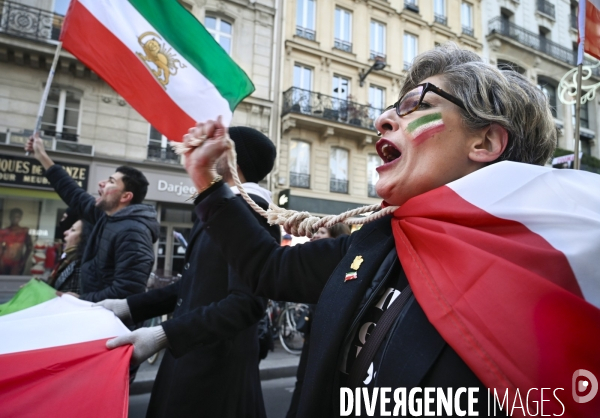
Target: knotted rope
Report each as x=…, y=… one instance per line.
x=300, y=224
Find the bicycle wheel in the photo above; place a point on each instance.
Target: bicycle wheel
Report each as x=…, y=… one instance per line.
x=291, y=339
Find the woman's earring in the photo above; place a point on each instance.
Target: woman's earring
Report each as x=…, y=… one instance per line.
x=378, y=133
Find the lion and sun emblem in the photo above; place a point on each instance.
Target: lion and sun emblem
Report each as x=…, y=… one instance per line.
x=161, y=56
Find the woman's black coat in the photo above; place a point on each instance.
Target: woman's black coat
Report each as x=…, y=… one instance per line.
x=415, y=355
x=211, y=366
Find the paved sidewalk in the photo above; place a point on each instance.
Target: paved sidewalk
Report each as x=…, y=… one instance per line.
x=279, y=363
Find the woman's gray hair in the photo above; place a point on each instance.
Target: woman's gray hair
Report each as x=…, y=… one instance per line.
x=491, y=95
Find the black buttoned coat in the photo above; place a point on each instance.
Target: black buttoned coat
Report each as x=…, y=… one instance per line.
x=211, y=366
x=414, y=353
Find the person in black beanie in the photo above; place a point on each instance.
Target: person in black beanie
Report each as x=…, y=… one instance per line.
x=210, y=367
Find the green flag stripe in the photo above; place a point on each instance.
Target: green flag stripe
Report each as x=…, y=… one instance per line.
x=192, y=41
x=423, y=120
x=31, y=294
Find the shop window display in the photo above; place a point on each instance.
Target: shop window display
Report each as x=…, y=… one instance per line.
x=30, y=242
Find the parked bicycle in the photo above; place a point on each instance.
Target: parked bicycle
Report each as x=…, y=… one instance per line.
x=290, y=337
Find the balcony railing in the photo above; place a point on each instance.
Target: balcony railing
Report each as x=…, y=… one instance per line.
x=297, y=100
x=29, y=22
x=501, y=26
x=338, y=186
x=306, y=33
x=411, y=5
x=546, y=7
x=574, y=21
x=371, y=191
x=165, y=155
x=441, y=19
x=468, y=31
x=374, y=54
x=299, y=180
x=343, y=45
x=64, y=143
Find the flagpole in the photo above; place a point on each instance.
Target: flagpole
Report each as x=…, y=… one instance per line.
x=40, y=114
x=576, y=161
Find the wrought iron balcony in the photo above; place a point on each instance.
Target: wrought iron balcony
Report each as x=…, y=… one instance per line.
x=546, y=8
x=468, y=31
x=29, y=22
x=411, y=5
x=297, y=100
x=371, y=191
x=338, y=186
x=374, y=54
x=306, y=33
x=54, y=141
x=165, y=155
x=441, y=19
x=299, y=180
x=574, y=21
x=501, y=26
x=343, y=45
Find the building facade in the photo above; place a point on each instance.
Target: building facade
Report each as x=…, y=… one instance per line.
x=88, y=127
x=538, y=38
x=344, y=61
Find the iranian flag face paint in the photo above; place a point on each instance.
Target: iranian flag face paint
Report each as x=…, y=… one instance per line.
x=424, y=127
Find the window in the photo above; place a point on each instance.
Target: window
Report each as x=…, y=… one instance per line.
x=549, y=91
x=340, y=93
x=373, y=161
x=466, y=17
x=573, y=15
x=159, y=149
x=376, y=101
x=377, y=40
x=439, y=11
x=302, y=77
x=299, y=164
x=61, y=115
x=584, y=121
x=410, y=49
x=305, y=19
x=220, y=30
x=302, y=89
x=343, y=30
x=338, y=168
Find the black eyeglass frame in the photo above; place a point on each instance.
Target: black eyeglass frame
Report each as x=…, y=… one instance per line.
x=427, y=87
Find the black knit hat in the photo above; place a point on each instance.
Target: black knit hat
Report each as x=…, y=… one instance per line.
x=255, y=152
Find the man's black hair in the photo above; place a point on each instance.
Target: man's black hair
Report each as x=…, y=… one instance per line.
x=135, y=182
x=15, y=210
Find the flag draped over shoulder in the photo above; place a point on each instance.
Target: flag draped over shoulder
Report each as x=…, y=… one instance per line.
x=505, y=264
x=589, y=28
x=54, y=362
x=159, y=58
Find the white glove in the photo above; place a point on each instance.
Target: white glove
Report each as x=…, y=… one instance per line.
x=146, y=341
x=119, y=307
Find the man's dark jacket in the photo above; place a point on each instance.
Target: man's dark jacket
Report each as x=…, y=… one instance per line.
x=119, y=255
x=414, y=353
x=211, y=366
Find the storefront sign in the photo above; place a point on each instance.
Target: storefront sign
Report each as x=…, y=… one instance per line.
x=21, y=171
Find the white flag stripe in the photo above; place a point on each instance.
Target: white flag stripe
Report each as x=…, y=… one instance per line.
x=189, y=89
x=555, y=204
x=65, y=303
x=59, y=329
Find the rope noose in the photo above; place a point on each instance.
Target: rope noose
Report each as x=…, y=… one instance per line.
x=299, y=224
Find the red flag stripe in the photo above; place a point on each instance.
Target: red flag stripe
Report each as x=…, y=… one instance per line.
x=98, y=48
x=73, y=381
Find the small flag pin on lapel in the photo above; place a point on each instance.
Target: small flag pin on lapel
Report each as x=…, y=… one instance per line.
x=354, y=266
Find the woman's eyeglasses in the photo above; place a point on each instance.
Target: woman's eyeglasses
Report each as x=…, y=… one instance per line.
x=411, y=101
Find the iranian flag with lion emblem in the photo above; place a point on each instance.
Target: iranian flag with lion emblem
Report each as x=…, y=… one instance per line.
x=159, y=58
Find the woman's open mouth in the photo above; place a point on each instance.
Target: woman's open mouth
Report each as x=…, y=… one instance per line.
x=387, y=151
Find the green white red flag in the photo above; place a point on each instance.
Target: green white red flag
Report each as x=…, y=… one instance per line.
x=54, y=361
x=504, y=262
x=159, y=58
